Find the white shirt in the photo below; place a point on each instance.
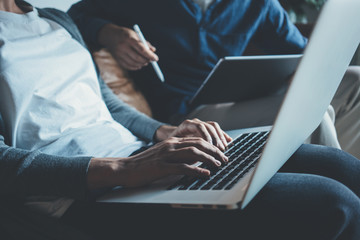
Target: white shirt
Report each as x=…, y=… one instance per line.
x=49, y=93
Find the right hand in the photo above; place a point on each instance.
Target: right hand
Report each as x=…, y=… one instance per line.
x=173, y=156
x=126, y=47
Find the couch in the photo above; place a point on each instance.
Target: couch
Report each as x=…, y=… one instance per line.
x=120, y=82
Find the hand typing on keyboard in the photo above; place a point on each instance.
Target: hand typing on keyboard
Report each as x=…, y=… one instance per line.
x=178, y=150
x=243, y=154
x=209, y=131
x=174, y=156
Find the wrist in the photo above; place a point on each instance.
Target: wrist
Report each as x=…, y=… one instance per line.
x=107, y=35
x=105, y=172
x=164, y=132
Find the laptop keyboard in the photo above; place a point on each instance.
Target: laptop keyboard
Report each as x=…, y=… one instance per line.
x=243, y=154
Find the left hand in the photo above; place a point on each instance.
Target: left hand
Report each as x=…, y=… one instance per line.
x=209, y=131
x=126, y=47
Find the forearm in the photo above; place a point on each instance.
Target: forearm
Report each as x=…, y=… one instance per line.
x=107, y=173
x=106, y=36
x=163, y=132
x=99, y=172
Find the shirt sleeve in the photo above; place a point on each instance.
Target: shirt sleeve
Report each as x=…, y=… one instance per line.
x=138, y=123
x=87, y=16
x=32, y=173
x=277, y=34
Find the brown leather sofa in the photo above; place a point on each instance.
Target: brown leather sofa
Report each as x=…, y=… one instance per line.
x=120, y=82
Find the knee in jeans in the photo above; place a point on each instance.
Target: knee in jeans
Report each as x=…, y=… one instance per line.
x=340, y=213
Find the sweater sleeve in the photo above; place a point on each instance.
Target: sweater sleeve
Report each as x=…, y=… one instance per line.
x=88, y=18
x=138, y=123
x=28, y=173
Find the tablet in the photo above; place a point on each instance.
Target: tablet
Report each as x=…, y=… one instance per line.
x=241, y=78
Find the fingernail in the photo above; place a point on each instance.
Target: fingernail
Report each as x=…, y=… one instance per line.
x=218, y=163
x=223, y=147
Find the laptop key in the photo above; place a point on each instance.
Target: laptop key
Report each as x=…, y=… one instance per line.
x=243, y=155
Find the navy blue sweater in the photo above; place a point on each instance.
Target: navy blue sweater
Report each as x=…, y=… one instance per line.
x=188, y=42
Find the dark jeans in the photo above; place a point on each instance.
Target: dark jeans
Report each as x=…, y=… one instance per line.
x=316, y=195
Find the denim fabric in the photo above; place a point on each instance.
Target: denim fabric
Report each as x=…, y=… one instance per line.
x=316, y=195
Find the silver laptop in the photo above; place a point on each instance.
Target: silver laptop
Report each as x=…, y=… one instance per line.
x=259, y=153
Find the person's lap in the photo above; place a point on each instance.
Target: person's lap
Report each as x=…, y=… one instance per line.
x=327, y=162
x=302, y=200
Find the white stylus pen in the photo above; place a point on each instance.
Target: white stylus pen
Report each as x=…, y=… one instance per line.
x=153, y=63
